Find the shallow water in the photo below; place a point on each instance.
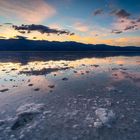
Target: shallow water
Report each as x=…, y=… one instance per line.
x=71, y=88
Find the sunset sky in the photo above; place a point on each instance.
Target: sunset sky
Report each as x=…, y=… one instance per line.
x=112, y=22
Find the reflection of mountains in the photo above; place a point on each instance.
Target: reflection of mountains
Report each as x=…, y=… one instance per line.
x=43, y=71
x=25, y=57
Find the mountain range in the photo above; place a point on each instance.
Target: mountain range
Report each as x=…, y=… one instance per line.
x=43, y=45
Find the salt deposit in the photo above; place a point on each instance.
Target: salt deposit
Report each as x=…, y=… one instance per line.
x=104, y=117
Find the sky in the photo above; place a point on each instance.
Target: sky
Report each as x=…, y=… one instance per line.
x=111, y=22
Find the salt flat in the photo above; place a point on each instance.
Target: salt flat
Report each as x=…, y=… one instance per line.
x=69, y=96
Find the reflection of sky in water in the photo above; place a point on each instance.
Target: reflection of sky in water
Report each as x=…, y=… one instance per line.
x=43, y=73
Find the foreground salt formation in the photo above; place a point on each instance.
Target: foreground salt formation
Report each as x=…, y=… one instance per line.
x=104, y=117
x=29, y=117
x=26, y=115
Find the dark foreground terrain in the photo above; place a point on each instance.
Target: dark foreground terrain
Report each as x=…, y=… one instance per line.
x=69, y=96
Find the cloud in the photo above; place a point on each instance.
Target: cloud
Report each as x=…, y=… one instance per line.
x=124, y=25
x=120, y=41
x=126, y=41
x=138, y=20
x=21, y=37
x=81, y=27
x=98, y=12
x=124, y=22
x=130, y=27
x=99, y=31
x=29, y=11
x=116, y=31
x=121, y=13
x=8, y=23
x=22, y=32
x=41, y=28
x=2, y=37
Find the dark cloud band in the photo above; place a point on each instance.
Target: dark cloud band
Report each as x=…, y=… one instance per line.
x=121, y=13
x=116, y=31
x=2, y=37
x=98, y=12
x=21, y=37
x=40, y=28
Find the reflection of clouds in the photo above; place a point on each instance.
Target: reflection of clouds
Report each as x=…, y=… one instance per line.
x=120, y=62
x=87, y=61
x=40, y=82
x=118, y=75
x=39, y=65
x=43, y=71
x=123, y=75
x=56, y=73
x=135, y=76
x=76, y=68
x=102, y=61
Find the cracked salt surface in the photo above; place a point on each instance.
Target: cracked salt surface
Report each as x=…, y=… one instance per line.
x=30, y=108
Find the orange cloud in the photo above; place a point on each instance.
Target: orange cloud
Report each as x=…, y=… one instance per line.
x=29, y=11
x=121, y=41
x=126, y=25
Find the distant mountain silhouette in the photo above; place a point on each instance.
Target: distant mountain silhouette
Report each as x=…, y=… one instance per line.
x=36, y=45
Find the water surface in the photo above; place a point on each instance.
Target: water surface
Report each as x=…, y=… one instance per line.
x=71, y=87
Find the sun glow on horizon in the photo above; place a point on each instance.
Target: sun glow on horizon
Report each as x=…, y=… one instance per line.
x=98, y=23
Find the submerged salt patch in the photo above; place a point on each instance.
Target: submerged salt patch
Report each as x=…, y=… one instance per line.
x=105, y=117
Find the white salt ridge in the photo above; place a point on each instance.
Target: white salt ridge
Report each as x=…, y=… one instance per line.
x=104, y=117
x=110, y=88
x=30, y=108
x=25, y=114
